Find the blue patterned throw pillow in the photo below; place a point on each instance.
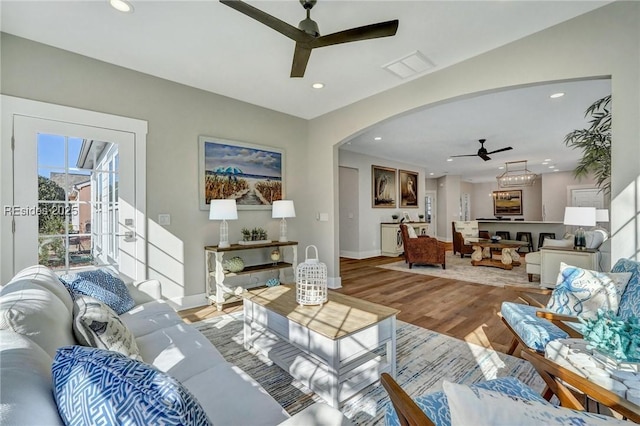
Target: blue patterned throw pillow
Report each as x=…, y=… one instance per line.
x=630, y=300
x=95, y=386
x=100, y=285
x=581, y=292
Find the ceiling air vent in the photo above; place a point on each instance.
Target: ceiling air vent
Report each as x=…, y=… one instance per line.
x=409, y=65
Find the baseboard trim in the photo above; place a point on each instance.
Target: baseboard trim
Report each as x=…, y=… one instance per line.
x=334, y=282
x=187, y=302
x=359, y=255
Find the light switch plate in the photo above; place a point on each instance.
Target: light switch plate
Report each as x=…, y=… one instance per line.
x=324, y=217
x=164, y=219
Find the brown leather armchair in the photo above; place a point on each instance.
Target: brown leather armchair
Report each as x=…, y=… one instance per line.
x=458, y=241
x=422, y=249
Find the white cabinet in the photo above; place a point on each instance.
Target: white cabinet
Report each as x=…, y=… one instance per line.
x=550, y=259
x=391, y=238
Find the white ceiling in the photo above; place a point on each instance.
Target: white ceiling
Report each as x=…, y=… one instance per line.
x=208, y=45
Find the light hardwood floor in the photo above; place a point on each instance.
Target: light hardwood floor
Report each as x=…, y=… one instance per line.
x=459, y=309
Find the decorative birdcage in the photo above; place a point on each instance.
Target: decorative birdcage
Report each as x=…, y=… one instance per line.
x=311, y=280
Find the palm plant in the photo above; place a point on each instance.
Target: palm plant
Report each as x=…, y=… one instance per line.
x=595, y=143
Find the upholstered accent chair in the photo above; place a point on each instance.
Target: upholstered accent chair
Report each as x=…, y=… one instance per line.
x=533, y=324
x=422, y=249
x=463, y=230
x=437, y=409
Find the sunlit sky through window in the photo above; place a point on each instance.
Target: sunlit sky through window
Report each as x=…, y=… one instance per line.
x=51, y=154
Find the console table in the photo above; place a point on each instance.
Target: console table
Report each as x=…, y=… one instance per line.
x=219, y=292
x=336, y=349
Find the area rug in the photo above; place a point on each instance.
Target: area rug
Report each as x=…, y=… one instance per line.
x=461, y=269
x=424, y=359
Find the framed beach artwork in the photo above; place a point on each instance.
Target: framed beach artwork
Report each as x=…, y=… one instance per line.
x=250, y=174
x=507, y=203
x=408, y=188
x=383, y=187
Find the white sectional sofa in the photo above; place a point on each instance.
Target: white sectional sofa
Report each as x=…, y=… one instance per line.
x=36, y=313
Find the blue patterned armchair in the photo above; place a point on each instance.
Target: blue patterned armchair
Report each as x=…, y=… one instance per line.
x=436, y=408
x=533, y=325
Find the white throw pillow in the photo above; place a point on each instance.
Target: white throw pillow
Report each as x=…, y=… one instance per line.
x=412, y=232
x=582, y=292
x=549, y=242
x=481, y=407
x=96, y=325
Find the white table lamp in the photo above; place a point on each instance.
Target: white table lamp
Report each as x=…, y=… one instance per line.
x=580, y=216
x=602, y=215
x=223, y=210
x=281, y=210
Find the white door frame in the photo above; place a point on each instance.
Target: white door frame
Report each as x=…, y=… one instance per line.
x=11, y=107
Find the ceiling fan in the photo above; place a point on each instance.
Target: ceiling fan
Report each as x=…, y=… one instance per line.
x=307, y=36
x=482, y=152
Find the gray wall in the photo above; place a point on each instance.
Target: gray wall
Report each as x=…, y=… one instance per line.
x=370, y=218
x=177, y=115
x=605, y=42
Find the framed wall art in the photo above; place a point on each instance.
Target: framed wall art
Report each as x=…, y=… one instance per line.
x=383, y=187
x=253, y=175
x=507, y=203
x=408, y=189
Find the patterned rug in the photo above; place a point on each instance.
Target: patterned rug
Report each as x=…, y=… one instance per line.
x=424, y=359
x=461, y=269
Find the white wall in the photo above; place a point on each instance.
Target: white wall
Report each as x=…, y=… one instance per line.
x=370, y=218
x=349, y=213
x=176, y=115
x=605, y=42
x=553, y=200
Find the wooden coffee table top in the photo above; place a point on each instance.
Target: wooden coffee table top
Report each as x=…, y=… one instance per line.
x=483, y=242
x=340, y=316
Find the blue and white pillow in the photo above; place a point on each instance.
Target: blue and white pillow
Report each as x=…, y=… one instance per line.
x=95, y=386
x=100, y=285
x=630, y=300
x=475, y=406
x=581, y=292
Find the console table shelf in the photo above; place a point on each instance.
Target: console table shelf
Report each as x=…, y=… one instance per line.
x=221, y=293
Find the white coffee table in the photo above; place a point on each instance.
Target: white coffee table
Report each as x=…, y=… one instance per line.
x=336, y=349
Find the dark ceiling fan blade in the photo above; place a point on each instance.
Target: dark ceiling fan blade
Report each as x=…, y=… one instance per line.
x=485, y=157
x=500, y=150
x=367, y=32
x=270, y=21
x=300, y=60
x=466, y=155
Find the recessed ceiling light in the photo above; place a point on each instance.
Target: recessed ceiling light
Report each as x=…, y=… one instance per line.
x=377, y=138
x=544, y=163
x=547, y=159
x=317, y=85
x=556, y=170
x=552, y=167
x=121, y=5
x=431, y=174
x=501, y=167
x=557, y=95
x=449, y=159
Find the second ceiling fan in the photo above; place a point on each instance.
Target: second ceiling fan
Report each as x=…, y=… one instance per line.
x=482, y=152
x=307, y=36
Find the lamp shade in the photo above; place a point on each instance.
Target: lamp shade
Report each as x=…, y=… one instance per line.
x=580, y=216
x=602, y=215
x=223, y=210
x=282, y=209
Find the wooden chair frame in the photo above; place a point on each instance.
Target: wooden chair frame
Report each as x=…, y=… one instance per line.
x=407, y=410
x=557, y=377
